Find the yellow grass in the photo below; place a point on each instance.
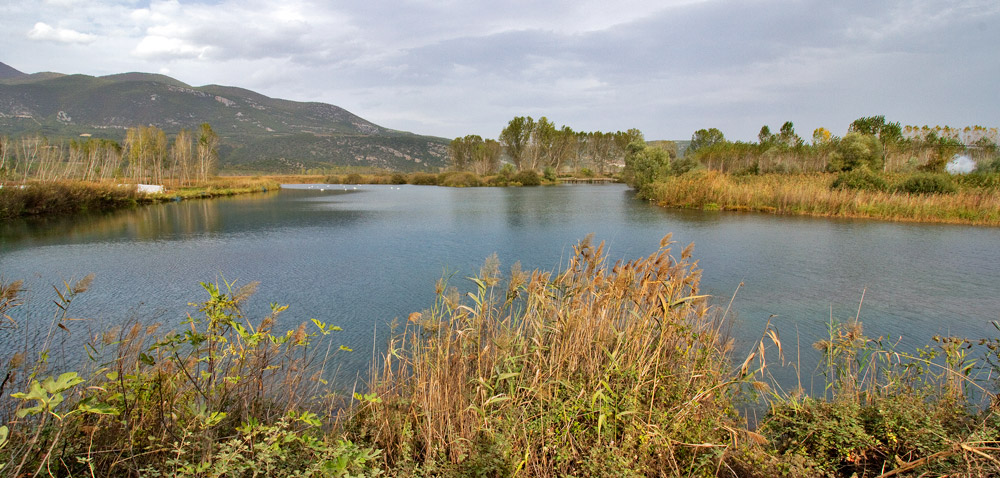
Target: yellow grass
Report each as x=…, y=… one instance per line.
x=810, y=194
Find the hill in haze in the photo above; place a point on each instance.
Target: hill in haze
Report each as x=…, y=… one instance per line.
x=258, y=133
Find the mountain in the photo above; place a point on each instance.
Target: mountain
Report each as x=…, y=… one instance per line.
x=258, y=133
x=8, y=72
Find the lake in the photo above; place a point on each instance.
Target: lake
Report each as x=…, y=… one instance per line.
x=361, y=256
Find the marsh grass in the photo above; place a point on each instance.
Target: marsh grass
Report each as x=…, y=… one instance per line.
x=598, y=370
x=223, y=396
x=72, y=197
x=810, y=194
x=63, y=197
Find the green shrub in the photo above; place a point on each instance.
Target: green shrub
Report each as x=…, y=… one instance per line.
x=423, y=179
x=684, y=165
x=549, y=174
x=978, y=179
x=527, y=178
x=460, y=179
x=397, y=178
x=928, y=183
x=353, y=178
x=854, y=151
x=587, y=173
x=861, y=179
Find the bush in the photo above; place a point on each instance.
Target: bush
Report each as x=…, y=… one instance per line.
x=397, y=178
x=978, y=179
x=860, y=179
x=353, y=178
x=927, y=183
x=854, y=151
x=460, y=179
x=684, y=165
x=587, y=173
x=527, y=178
x=549, y=174
x=424, y=179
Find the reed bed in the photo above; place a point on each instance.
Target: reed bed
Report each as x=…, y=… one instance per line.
x=64, y=197
x=44, y=198
x=599, y=370
x=810, y=194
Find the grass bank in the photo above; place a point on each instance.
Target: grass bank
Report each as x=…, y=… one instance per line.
x=598, y=369
x=972, y=201
x=48, y=198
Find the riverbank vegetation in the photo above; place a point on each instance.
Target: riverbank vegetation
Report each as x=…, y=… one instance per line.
x=530, y=145
x=596, y=370
x=878, y=170
x=38, y=198
x=146, y=156
x=39, y=178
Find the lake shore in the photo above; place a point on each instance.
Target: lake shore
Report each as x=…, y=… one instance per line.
x=596, y=370
x=40, y=199
x=974, y=202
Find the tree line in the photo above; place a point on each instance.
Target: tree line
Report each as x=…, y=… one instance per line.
x=145, y=155
x=871, y=143
x=538, y=145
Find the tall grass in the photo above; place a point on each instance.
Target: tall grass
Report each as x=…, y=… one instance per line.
x=64, y=197
x=810, y=194
x=69, y=197
x=599, y=370
x=223, y=396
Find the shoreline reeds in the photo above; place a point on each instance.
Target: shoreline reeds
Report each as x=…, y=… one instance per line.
x=597, y=369
x=811, y=194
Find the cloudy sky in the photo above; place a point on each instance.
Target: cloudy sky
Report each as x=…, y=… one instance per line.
x=456, y=67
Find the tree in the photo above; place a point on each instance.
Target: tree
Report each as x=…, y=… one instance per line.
x=888, y=134
x=486, y=157
x=765, y=137
x=516, y=137
x=821, y=135
x=542, y=140
x=787, y=135
x=182, y=155
x=206, y=152
x=644, y=164
x=564, y=148
x=854, y=151
x=704, y=138
x=460, y=151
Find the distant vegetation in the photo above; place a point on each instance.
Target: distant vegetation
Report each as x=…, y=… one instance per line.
x=40, y=178
x=146, y=156
x=597, y=370
x=878, y=169
x=530, y=145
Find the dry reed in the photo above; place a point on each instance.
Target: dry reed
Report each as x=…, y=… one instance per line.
x=810, y=194
x=621, y=368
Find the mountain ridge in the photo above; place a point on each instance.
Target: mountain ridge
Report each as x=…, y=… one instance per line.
x=258, y=133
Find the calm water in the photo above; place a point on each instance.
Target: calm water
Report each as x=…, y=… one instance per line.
x=361, y=258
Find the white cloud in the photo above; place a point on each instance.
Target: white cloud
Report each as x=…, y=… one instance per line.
x=45, y=32
x=158, y=47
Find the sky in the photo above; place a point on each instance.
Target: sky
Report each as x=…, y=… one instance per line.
x=455, y=67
